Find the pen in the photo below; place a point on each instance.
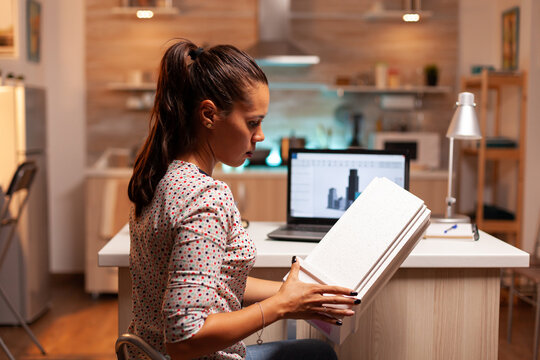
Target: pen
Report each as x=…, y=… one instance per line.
x=450, y=228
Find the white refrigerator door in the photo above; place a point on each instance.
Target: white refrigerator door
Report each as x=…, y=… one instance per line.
x=24, y=275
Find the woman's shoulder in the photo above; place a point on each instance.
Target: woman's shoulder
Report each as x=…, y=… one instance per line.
x=189, y=178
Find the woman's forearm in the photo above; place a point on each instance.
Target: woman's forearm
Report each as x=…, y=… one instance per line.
x=259, y=289
x=225, y=329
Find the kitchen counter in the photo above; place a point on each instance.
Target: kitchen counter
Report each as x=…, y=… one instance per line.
x=262, y=171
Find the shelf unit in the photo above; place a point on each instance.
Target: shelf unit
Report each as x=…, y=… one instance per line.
x=369, y=89
x=310, y=86
x=120, y=86
x=340, y=91
x=486, y=84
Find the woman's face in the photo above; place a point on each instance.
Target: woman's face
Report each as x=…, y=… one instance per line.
x=235, y=136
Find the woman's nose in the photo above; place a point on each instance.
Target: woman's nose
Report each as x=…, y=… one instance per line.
x=258, y=136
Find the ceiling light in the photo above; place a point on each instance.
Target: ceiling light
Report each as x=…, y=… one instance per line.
x=145, y=14
x=411, y=17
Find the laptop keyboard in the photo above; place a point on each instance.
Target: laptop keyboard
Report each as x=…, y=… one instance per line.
x=310, y=227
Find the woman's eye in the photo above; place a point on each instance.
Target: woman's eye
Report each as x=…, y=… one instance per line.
x=254, y=124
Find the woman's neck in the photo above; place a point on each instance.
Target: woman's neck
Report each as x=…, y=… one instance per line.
x=204, y=162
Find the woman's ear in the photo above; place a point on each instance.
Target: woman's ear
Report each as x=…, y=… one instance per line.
x=208, y=112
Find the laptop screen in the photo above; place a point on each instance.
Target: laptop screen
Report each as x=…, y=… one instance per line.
x=322, y=184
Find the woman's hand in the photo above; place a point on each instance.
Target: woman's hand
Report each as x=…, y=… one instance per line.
x=299, y=300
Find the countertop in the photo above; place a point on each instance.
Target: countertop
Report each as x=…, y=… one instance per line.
x=487, y=252
x=263, y=171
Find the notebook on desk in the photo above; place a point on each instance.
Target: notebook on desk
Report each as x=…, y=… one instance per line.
x=322, y=184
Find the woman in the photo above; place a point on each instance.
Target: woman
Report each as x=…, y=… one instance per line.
x=190, y=257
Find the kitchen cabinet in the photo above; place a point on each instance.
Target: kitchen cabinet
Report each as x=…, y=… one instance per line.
x=259, y=195
x=107, y=210
x=262, y=195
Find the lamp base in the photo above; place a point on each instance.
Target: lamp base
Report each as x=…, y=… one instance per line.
x=455, y=219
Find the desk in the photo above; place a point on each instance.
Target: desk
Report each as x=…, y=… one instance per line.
x=443, y=302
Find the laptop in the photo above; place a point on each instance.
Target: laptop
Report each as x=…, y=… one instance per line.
x=322, y=184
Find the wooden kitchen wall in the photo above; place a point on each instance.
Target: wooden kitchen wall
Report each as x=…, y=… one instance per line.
x=347, y=44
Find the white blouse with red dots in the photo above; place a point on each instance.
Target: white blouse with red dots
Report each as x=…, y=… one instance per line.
x=189, y=258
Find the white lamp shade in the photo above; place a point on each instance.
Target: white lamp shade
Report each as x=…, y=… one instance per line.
x=464, y=123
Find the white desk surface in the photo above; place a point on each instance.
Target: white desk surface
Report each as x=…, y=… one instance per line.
x=487, y=252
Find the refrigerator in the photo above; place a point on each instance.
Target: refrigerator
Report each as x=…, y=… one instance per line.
x=24, y=275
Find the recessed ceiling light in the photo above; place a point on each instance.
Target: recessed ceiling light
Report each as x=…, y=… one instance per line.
x=411, y=17
x=145, y=14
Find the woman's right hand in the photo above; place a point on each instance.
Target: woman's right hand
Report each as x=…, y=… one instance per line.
x=299, y=300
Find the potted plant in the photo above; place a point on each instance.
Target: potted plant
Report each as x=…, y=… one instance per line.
x=431, y=72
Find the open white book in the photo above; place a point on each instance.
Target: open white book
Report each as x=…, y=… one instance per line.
x=366, y=246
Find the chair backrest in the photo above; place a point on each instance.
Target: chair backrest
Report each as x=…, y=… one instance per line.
x=21, y=180
x=23, y=177
x=139, y=344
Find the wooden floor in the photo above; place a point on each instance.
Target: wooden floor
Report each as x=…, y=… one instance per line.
x=75, y=327
x=81, y=328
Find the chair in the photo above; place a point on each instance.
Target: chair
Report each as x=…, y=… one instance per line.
x=22, y=180
x=525, y=284
x=129, y=339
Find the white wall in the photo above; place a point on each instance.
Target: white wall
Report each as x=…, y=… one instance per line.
x=480, y=42
x=61, y=72
x=65, y=78
x=478, y=35
x=33, y=72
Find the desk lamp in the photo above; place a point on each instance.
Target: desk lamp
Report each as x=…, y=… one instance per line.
x=464, y=126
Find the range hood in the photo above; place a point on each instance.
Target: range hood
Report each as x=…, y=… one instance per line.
x=274, y=47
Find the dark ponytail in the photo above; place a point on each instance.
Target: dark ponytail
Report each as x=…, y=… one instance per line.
x=187, y=76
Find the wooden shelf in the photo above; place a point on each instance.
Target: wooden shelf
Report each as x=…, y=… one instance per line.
x=302, y=86
x=495, y=153
x=367, y=89
x=309, y=86
x=496, y=80
x=485, y=84
x=119, y=86
x=500, y=226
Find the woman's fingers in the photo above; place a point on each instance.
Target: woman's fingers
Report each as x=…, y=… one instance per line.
x=336, y=299
x=295, y=269
x=328, y=319
x=338, y=290
x=335, y=312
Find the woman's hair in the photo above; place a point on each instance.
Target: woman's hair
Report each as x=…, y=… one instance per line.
x=187, y=76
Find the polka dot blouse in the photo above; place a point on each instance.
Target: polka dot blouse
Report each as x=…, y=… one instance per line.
x=189, y=258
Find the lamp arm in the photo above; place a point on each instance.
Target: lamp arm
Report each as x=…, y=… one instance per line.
x=449, y=199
